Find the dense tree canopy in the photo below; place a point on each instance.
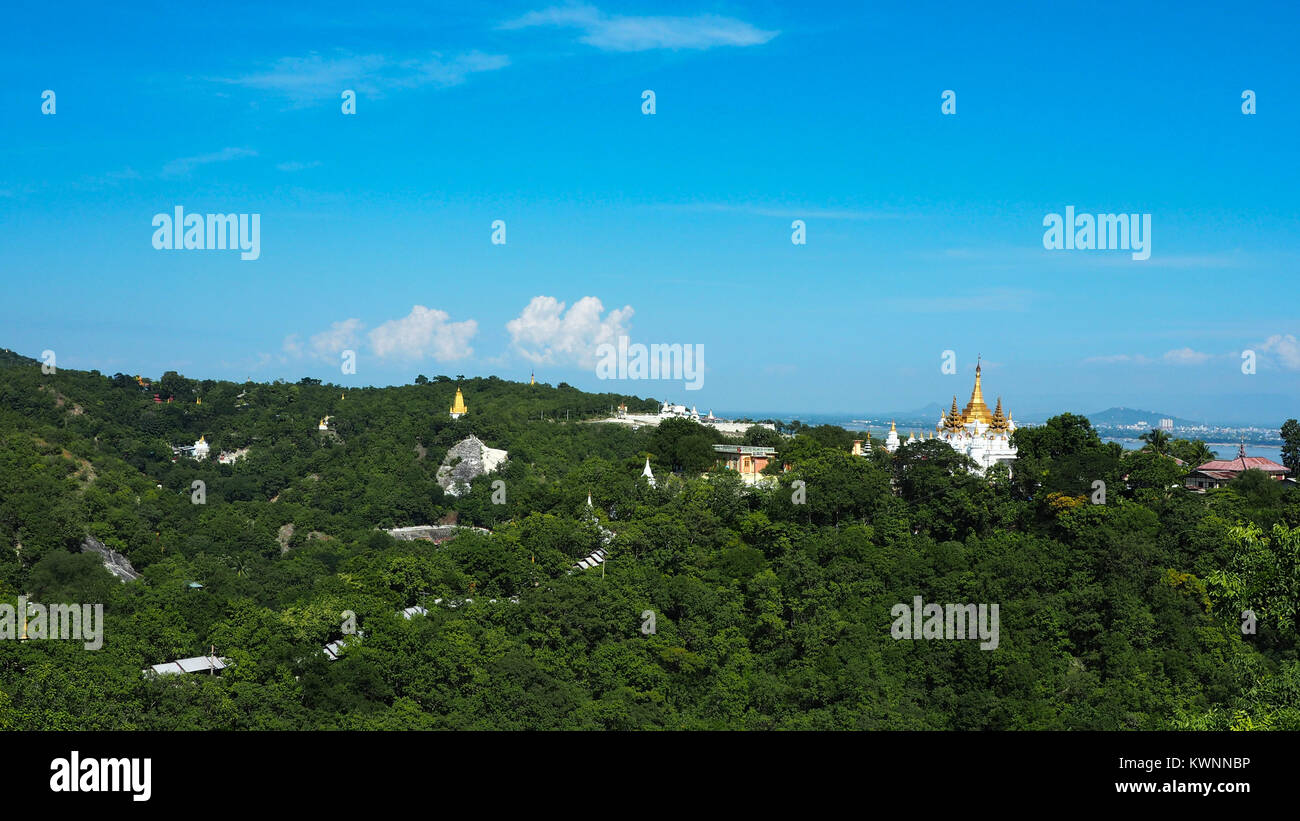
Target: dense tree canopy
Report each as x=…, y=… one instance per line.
x=771, y=604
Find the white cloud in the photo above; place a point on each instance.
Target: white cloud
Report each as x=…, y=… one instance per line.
x=1285, y=348
x=183, y=166
x=423, y=332
x=313, y=78
x=341, y=336
x=291, y=346
x=1186, y=356
x=545, y=333
x=626, y=33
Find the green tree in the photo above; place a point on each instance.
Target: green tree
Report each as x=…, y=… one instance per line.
x=1291, y=447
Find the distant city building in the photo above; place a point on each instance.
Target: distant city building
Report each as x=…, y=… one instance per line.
x=1220, y=472
x=1167, y=425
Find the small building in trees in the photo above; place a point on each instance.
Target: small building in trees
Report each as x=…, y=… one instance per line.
x=748, y=460
x=1220, y=472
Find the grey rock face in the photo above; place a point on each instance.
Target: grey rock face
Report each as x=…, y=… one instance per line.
x=116, y=563
x=467, y=460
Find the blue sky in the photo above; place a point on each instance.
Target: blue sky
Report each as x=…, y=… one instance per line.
x=924, y=231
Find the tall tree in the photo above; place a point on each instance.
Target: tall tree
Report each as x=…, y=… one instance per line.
x=1157, y=440
x=1291, y=446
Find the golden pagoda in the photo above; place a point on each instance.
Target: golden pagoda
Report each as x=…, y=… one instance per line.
x=458, y=408
x=976, y=410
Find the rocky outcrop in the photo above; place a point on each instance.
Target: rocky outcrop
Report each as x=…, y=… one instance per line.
x=284, y=536
x=115, y=562
x=467, y=460
x=430, y=533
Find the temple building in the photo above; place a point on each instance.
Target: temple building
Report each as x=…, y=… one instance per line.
x=201, y=448
x=648, y=474
x=458, y=408
x=749, y=461
x=859, y=449
x=1220, y=472
x=975, y=431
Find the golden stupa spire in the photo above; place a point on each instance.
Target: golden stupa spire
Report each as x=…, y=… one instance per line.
x=458, y=406
x=976, y=410
x=999, y=422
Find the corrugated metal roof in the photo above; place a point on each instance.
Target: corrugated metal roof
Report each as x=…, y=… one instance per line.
x=197, y=664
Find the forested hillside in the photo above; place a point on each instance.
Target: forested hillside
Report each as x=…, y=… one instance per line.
x=771, y=606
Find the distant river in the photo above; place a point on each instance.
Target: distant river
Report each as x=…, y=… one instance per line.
x=1223, y=450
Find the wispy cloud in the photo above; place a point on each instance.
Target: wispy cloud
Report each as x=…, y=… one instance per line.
x=185, y=165
x=1285, y=349
x=423, y=333
x=310, y=79
x=1186, y=356
x=1177, y=356
x=992, y=301
x=294, y=165
x=612, y=32
x=778, y=211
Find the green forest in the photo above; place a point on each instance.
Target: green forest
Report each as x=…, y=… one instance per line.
x=770, y=605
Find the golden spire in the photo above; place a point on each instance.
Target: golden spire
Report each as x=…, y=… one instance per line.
x=891, y=426
x=976, y=410
x=999, y=422
x=459, y=405
x=952, y=420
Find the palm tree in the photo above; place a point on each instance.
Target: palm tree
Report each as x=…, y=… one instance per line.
x=1157, y=440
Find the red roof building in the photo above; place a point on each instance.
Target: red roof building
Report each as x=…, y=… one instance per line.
x=1222, y=471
